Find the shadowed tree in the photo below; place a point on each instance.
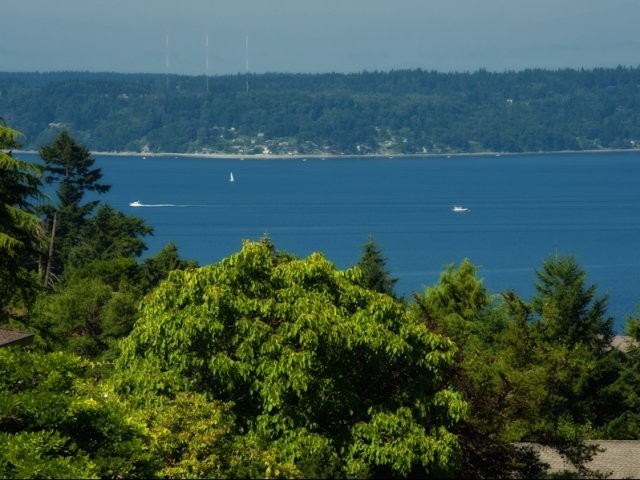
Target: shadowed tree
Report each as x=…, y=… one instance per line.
x=109, y=235
x=20, y=228
x=375, y=276
x=70, y=166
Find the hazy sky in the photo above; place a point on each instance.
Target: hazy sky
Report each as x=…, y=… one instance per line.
x=316, y=35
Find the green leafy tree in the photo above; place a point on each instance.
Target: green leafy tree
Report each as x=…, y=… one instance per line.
x=71, y=317
x=333, y=379
x=96, y=303
x=56, y=422
x=93, y=307
x=375, y=276
x=70, y=166
x=194, y=437
x=20, y=228
x=190, y=435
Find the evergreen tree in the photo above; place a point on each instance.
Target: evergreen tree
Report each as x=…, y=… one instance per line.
x=108, y=235
x=20, y=228
x=460, y=308
x=375, y=276
x=70, y=166
x=156, y=268
x=624, y=410
x=569, y=312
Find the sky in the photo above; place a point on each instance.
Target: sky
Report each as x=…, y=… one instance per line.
x=215, y=37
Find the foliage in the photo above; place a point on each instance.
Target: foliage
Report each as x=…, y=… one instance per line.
x=83, y=315
x=96, y=303
x=538, y=372
x=69, y=166
x=395, y=112
x=623, y=395
x=459, y=307
x=56, y=422
x=108, y=235
x=308, y=358
x=191, y=435
x=375, y=276
x=454, y=305
x=565, y=351
x=20, y=228
x=157, y=268
x=569, y=312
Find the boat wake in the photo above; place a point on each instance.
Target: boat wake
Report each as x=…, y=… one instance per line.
x=139, y=204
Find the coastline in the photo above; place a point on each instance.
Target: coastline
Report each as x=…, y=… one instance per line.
x=299, y=156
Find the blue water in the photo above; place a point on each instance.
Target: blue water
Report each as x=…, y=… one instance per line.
x=522, y=210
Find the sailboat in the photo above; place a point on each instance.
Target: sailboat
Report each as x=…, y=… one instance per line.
x=231, y=179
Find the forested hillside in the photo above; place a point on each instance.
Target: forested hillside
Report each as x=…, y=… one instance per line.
x=370, y=112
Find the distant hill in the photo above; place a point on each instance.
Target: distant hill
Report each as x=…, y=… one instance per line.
x=405, y=111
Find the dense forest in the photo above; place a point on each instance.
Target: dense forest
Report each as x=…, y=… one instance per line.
x=266, y=365
x=405, y=111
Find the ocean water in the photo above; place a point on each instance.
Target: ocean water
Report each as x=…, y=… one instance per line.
x=522, y=210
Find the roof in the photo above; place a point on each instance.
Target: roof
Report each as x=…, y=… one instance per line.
x=14, y=337
x=620, y=458
x=622, y=342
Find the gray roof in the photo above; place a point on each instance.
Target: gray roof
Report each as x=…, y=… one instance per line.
x=9, y=336
x=620, y=458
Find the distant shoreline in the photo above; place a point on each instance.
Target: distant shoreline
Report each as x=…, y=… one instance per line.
x=299, y=156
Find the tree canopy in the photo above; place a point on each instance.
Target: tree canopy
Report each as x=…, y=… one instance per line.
x=310, y=360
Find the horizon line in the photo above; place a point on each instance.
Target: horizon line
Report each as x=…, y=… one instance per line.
x=329, y=72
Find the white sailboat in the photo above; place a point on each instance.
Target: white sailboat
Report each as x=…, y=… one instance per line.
x=231, y=179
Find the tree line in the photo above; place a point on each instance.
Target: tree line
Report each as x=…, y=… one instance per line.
x=267, y=365
x=396, y=112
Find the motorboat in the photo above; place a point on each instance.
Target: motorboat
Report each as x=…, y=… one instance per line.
x=135, y=204
x=459, y=209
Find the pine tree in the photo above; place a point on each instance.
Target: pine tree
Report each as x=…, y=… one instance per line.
x=69, y=165
x=374, y=273
x=20, y=228
x=569, y=311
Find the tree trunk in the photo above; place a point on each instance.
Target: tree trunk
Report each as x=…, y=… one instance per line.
x=47, y=275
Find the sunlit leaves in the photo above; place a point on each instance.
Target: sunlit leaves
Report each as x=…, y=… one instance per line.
x=302, y=351
x=56, y=422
